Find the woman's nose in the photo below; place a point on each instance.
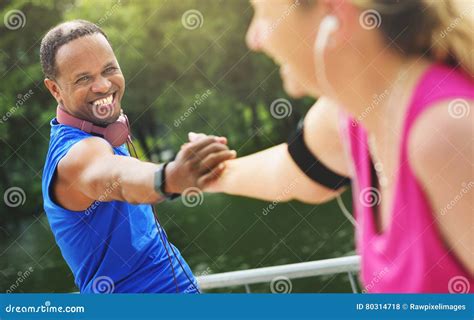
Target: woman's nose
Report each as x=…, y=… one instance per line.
x=101, y=85
x=256, y=35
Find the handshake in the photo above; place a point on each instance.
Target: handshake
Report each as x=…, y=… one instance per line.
x=199, y=163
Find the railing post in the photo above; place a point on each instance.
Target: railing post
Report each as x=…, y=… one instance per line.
x=247, y=288
x=353, y=282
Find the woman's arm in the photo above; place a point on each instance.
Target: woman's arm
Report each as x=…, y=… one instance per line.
x=272, y=174
x=441, y=155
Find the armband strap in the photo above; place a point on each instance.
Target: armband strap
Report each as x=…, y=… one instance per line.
x=311, y=166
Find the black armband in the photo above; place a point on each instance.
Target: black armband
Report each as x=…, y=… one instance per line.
x=311, y=166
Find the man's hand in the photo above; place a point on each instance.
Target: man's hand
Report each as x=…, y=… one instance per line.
x=198, y=163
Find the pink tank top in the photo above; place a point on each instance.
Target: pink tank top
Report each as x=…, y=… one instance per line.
x=410, y=255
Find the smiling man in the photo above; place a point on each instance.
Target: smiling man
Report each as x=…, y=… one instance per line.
x=97, y=198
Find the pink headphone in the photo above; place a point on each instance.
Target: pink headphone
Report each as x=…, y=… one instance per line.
x=116, y=133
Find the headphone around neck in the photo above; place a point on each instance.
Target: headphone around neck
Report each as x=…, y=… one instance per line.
x=116, y=133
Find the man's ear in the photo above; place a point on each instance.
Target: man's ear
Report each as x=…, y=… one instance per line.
x=54, y=89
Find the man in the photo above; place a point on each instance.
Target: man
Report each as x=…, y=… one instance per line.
x=97, y=198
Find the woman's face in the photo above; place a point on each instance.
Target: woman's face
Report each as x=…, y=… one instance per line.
x=285, y=30
x=288, y=31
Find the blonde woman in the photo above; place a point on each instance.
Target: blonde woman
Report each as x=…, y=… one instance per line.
x=396, y=122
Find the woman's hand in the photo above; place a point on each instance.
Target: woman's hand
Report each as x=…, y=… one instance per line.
x=213, y=185
x=198, y=163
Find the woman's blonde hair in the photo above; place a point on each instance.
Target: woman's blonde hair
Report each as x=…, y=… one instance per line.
x=440, y=29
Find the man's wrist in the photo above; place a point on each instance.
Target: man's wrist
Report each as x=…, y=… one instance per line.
x=169, y=170
x=160, y=183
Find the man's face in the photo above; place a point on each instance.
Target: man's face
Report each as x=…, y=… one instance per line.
x=89, y=84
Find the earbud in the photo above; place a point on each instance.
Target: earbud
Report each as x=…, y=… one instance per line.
x=328, y=25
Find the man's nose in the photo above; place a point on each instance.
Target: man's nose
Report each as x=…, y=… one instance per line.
x=101, y=85
x=256, y=35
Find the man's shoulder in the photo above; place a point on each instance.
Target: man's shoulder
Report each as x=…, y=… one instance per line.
x=61, y=133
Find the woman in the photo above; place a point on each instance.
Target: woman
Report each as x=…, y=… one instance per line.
x=397, y=81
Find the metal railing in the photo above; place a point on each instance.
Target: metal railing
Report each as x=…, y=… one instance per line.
x=349, y=265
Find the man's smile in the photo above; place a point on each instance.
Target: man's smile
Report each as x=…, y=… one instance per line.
x=107, y=101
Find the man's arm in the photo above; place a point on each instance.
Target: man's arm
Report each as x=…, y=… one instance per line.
x=90, y=171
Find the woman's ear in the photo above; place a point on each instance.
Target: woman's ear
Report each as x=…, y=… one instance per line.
x=54, y=89
x=347, y=15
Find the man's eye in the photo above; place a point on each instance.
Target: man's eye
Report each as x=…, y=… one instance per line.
x=82, y=79
x=110, y=69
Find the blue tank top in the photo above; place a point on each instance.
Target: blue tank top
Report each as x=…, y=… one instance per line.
x=112, y=246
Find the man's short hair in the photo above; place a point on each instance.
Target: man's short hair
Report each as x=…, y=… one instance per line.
x=60, y=35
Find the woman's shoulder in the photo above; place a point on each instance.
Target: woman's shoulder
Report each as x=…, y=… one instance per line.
x=441, y=82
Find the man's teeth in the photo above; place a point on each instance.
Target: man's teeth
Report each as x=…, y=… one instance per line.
x=104, y=101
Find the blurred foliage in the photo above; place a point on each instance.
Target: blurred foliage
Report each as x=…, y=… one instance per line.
x=168, y=68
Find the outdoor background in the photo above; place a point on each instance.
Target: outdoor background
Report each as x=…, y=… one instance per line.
x=187, y=69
